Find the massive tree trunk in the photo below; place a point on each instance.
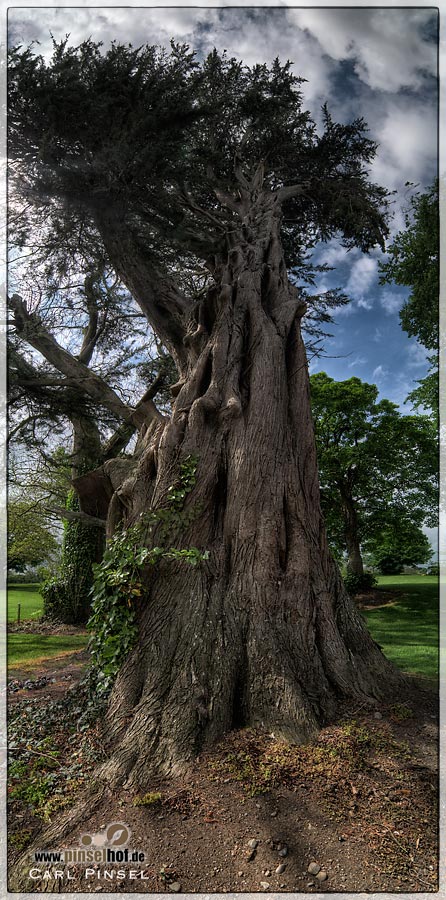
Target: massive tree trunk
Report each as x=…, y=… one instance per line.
x=263, y=632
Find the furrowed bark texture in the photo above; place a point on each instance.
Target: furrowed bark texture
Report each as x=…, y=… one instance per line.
x=262, y=633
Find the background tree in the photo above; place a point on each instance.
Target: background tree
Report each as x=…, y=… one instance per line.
x=376, y=466
x=413, y=261
x=74, y=350
x=176, y=166
x=398, y=544
x=30, y=543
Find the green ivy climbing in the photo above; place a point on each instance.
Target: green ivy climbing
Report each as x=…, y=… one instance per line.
x=118, y=579
x=66, y=596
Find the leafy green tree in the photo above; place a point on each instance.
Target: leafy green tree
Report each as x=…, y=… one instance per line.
x=414, y=262
x=376, y=466
x=400, y=543
x=176, y=167
x=30, y=543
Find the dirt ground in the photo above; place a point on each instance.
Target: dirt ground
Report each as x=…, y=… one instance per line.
x=360, y=803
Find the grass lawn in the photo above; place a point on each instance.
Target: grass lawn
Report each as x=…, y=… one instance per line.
x=407, y=630
x=31, y=603
x=26, y=651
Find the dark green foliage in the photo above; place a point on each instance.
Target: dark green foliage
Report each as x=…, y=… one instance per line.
x=400, y=544
x=357, y=583
x=157, y=140
x=414, y=262
x=369, y=455
x=29, y=540
x=66, y=596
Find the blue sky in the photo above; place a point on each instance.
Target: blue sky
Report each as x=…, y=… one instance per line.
x=372, y=62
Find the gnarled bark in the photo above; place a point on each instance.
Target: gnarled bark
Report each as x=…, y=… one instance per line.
x=264, y=632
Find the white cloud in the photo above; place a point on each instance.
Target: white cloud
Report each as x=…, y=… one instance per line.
x=417, y=355
x=358, y=361
x=365, y=304
x=333, y=253
x=391, y=302
x=362, y=275
x=407, y=137
x=386, y=45
x=381, y=372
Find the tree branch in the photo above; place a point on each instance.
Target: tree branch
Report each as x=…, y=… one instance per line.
x=164, y=305
x=73, y=515
x=91, y=333
x=293, y=190
x=30, y=327
x=122, y=435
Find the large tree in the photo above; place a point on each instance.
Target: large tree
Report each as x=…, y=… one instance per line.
x=377, y=467
x=29, y=540
x=397, y=544
x=178, y=166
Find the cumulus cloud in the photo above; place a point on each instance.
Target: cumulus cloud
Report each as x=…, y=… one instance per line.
x=407, y=137
x=387, y=46
x=391, y=302
x=363, y=273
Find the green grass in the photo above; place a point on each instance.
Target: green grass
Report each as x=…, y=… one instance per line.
x=407, y=631
x=30, y=599
x=29, y=650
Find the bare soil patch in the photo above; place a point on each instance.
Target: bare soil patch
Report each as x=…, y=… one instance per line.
x=373, y=599
x=360, y=802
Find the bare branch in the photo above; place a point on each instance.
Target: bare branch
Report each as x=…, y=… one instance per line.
x=73, y=515
x=30, y=327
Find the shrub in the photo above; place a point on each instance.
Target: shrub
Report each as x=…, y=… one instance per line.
x=357, y=583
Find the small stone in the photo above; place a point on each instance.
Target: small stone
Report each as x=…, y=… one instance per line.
x=283, y=851
x=264, y=885
x=240, y=874
x=377, y=715
x=342, y=838
x=280, y=868
x=322, y=876
x=310, y=884
x=175, y=886
x=253, y=843
x=267, y=872
x=251, y=855
x=282, y=885
x=274, y=813
x=313, y=868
